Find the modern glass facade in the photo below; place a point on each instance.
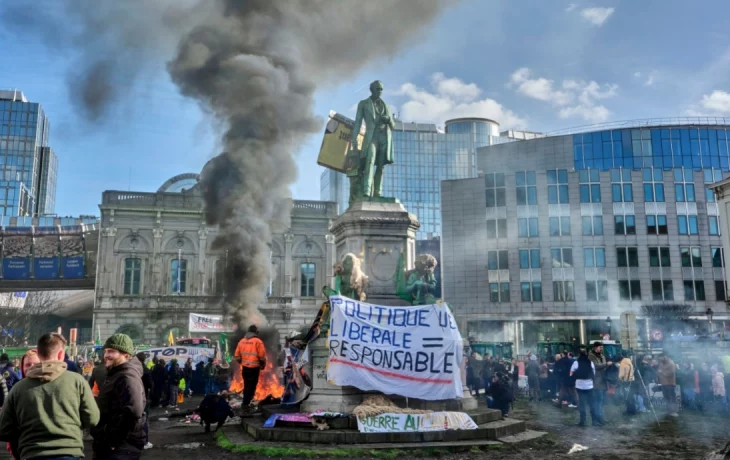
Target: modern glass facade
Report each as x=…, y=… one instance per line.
x=424, y=157
x=26, y=188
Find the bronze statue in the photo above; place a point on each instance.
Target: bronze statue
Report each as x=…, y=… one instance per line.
x=367, y=164
x=350, y=281
x=418, y=285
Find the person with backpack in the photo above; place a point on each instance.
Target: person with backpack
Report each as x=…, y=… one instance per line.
x=584, y=371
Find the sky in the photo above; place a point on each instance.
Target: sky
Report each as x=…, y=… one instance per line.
x=538, y=65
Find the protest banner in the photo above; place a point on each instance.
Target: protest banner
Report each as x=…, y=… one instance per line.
x=198, y=354
x=412, y=351
x=403, y=423
x=208, y=323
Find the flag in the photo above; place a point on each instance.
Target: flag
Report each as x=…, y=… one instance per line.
x=98, y=336
x=171, y=339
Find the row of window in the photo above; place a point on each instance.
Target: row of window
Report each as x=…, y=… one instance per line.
x=590, y=186
x=597, y=291
x=623, y=224
x=179, y=277
x=690, y=256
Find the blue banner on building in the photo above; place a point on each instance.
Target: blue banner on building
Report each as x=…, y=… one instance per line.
x=45, y=268
x=17, y=268
x=73, y=267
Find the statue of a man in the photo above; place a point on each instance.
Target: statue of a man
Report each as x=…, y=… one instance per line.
x=350, y=281
x=377, y=144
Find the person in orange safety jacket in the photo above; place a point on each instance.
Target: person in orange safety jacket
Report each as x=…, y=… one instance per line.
x=251, y=354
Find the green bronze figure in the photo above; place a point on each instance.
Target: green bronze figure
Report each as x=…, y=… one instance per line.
x=417, y=285
x=350, y=281
x=366, y=180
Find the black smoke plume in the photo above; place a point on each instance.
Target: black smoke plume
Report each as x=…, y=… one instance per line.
x=254, y=66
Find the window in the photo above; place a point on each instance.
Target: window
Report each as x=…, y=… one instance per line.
x=694, y=290
x=690, y=256
x=178, y=275
x=563, y=291
x=557, y=180
x=496, y=228
x=527, y=228
x=497, y=260
x=718, y=257
x=499, y=292
x=625, y=224
x=560, y=226
x=621, y=188
x=531, y=291
x=662, y=290
x=656, y=225
x=495, y=190
x=597, y=290
x=720, y=291
x=132, y=276
x=562, y=257
x=594, y=257
x=684, y=187
x=590, y=186
x=629, y=290
x=307, y=274
x=713, y=225
x=711, y=175
x=529, y=258
x=219, y=277
x=592, y=225
x=688, y=225
x=653, y=185
x=659, y=257
x=627, y=257
x=526, y=188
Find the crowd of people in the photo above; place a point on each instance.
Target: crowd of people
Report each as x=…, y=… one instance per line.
x=588, y=381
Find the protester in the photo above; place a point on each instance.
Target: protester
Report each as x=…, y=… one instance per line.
x=599, y=383
x=214, y=409
x=251, y=354
x=499, y=393
x=174, y=375
x=188, y=376
x=718, y=384
x=46, y=412
x=210, y=373
x=584, y=371
x=562, y=370
x=705, y=386
x=514, y=373
x=626, y=382
x=666, y=373
x=159, y=383
x=199, y=380
x=29, y=359
x=72, y=366
x=544, y=379
x=686, y=377
x=98, y=375
x=120, y=432
x=487, y=371
x=7, y=371
x=147, y=384
x=532, y=369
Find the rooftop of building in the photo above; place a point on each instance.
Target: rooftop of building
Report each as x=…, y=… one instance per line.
x=12, y=95
x=644, y=123
x=468, y=119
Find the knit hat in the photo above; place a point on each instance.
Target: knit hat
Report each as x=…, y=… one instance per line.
x=120, y=342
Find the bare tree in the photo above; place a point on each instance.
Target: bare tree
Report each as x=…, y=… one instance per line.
x=30, y=317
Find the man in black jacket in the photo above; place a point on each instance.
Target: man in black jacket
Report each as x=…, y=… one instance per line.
x=159, y=379
x=147, y=384
x=120, y=432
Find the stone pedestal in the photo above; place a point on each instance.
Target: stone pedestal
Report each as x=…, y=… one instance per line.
x=378, y=233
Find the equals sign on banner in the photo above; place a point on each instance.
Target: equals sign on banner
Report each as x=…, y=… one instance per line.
x=433, y=342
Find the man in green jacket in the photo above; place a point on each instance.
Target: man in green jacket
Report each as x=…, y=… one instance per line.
x=46, y=412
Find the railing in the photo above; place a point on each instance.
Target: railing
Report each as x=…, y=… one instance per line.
x=643, y=123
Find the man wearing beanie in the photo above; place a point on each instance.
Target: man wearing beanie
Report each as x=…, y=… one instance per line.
x=120, y=432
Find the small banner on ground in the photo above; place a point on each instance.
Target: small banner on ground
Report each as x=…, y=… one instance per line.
x=412, y=351
x=404, y=423
x=208, y=323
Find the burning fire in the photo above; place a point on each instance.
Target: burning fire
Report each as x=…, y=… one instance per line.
x=269, y=383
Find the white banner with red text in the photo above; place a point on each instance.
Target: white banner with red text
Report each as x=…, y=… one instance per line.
x=412, y=351
x=208, y=323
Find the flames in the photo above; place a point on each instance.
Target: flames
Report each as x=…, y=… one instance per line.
x=269, y=383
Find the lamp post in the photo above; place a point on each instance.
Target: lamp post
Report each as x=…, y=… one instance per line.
x=709, y=314
x=608, y=324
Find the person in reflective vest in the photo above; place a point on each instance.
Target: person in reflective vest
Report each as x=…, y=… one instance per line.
x=251, y=354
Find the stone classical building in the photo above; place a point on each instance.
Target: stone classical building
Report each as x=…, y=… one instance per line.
x=156, y=263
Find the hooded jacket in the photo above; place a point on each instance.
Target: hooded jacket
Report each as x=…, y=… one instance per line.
x=600, y=364
x=121, y=402
x=44, y=414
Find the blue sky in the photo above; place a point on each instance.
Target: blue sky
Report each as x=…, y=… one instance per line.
x=541, y=65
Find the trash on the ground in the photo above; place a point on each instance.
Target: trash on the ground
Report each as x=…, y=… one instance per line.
x=577, y=448
x=187, y=445
x=163, y=419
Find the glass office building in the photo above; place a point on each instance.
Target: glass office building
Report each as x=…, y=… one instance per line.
x=424, y=156
x=573, y=229
x=28, y=166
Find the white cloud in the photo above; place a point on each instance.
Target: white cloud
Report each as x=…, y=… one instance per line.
x=637, y=74
x=717, y=102
x=571, y=7
x=575, y=98
x=452, y=98
x=597, y=16
x=650, y=77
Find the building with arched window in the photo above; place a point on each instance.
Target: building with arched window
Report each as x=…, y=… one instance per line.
x=156, y=263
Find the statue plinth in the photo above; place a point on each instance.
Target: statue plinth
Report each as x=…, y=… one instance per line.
x=378, y=233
